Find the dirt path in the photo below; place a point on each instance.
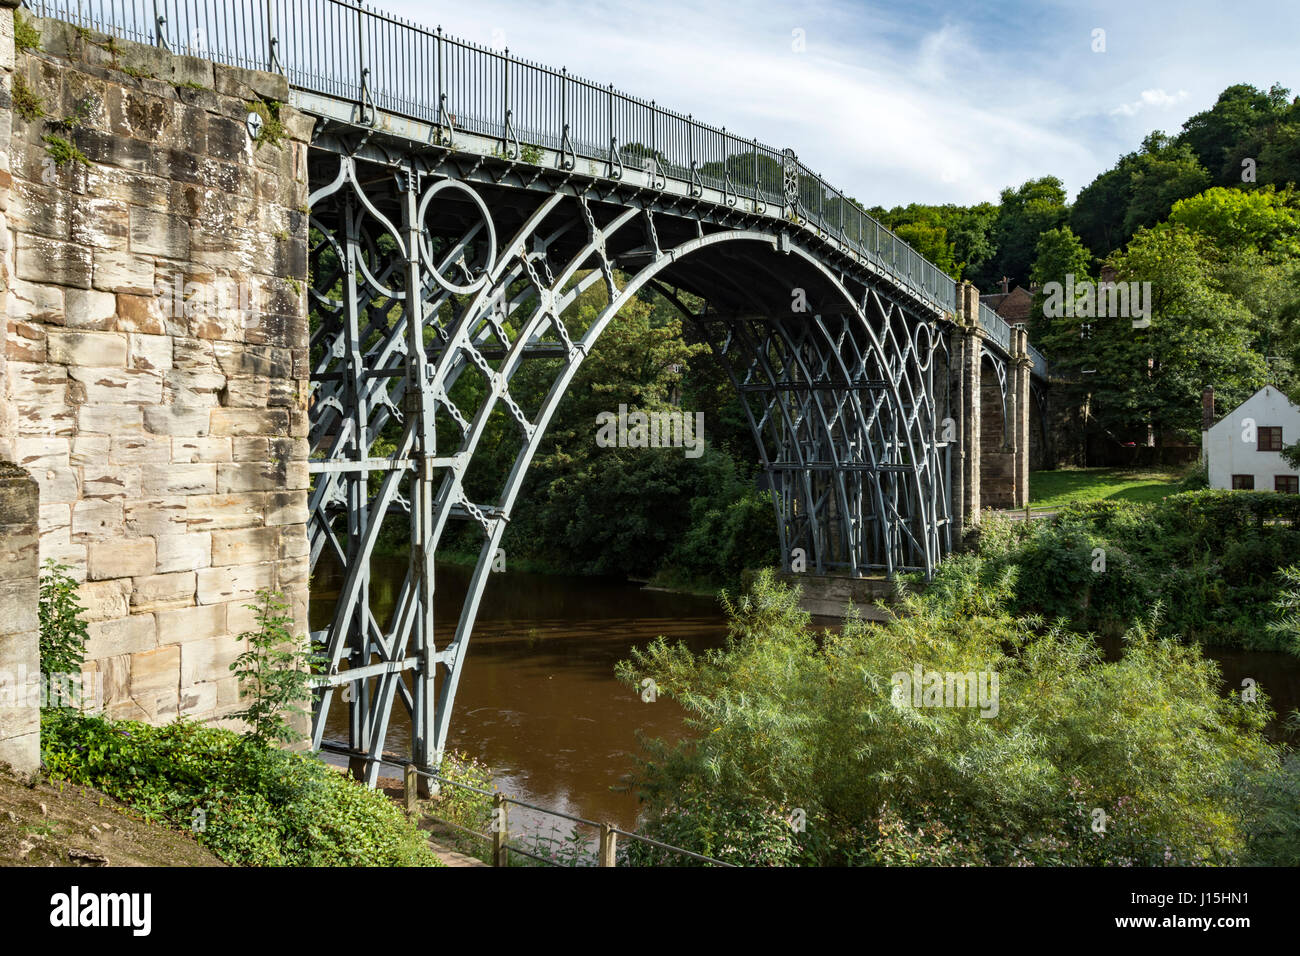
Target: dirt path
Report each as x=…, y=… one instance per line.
x=49, y=825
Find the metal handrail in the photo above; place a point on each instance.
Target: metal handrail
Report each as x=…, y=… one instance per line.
x=411, y=771
x=382, y=61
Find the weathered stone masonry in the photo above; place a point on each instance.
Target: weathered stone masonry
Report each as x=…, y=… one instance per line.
x=168, y=443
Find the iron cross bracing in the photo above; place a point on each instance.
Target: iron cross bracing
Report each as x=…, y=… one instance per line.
x=425, y=270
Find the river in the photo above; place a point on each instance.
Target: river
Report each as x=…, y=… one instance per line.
x=538, y=701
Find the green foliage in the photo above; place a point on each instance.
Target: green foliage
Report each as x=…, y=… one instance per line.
x=26, y=37
x=1286, y=606
x=1059, y=254
x=463, y=808
x=26, y=103
x=746, y=832
x=1291, y=454
x=63, y=629
x=1264, y=219
x=251, y=805
x=1240, y=110
x=530, y=154
x=1196, y=478
x=1162, y=173
x=274, y=673
x=1024, y=214
x=784, y=718
x=63, y=151
x=272, y=130
x=1198, y=333
x=1212, y=557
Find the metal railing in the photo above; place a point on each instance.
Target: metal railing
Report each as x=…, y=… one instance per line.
x=499, y=834
x=996, y=327
x=379, y=61
x=1040, y=362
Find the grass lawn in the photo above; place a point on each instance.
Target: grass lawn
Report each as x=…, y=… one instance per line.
x=1055, y=489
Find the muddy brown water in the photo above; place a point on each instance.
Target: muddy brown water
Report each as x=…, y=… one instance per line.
x=538, y=701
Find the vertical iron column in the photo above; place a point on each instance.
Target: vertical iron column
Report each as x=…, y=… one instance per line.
x=420, y=404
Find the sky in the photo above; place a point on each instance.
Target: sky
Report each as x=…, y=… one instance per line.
x=904, y=102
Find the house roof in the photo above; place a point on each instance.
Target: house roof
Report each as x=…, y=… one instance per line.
x=1251, y=398
x=1014, y=306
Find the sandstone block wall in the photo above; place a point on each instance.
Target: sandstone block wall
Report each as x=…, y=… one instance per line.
x=997, y=463
x=156, y=354
x=19, y=547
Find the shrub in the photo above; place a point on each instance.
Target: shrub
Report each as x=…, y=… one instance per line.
x=1211, y=556
x=63, y=630
x=786, y=718
x=252, y=805
x=274, y=673
x=26, y=36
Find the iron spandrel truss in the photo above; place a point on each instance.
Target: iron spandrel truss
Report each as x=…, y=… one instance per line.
x=423, y=275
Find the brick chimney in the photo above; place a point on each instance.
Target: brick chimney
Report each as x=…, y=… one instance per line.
x=1207, y=408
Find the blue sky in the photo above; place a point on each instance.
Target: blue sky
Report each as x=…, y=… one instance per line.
x=909, y=102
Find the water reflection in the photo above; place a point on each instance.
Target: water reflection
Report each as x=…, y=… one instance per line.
x=537, y=700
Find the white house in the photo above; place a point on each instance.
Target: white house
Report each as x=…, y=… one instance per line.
x=1242, y=448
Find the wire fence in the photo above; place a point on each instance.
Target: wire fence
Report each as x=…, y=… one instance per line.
x=500, y=831
x=341, y=49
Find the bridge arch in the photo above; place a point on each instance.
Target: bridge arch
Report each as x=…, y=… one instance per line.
x=846, y=427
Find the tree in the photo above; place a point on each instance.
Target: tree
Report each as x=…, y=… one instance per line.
x=1058, y=255
x=1266, y=219
x=1197, y=335
x=1162, y=173
x=1239, y=111
x=931, y=241
x=1024, y=214
x=1098, y=212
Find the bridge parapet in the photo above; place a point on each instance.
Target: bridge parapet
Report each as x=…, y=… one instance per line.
x=157, y=353
x=369, y=67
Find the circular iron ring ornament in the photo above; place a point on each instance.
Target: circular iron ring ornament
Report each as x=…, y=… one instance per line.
x=427, y=256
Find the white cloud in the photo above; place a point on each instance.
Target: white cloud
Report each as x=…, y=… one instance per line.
x=904, y=103
x=1158, y=99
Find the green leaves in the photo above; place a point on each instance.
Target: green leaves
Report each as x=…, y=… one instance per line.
x=784, y=718
x=252, y=806
x=63, y=631
x=274, y=673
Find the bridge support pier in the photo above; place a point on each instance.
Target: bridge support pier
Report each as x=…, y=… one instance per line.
x=1019, y=430
x=966, y=344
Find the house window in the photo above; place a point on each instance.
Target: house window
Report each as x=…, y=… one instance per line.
x=1243, y=482
x=1270, y=439
x=1287, y=483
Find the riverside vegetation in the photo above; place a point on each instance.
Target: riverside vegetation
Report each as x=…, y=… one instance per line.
x=243, y=798
x=786, y=720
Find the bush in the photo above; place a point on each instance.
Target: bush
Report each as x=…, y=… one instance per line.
x=787, y=718
x=251, y=805
x=1212, y=557
x=274, y=673
x=63, y=630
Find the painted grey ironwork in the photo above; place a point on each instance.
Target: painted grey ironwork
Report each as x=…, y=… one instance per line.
x=1040, y=362
x=462, y=200
x=844, y=402
x=385, y=63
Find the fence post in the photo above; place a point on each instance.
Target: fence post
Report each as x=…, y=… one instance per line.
x=410, y=787
x=608, y=842
x=500, y=831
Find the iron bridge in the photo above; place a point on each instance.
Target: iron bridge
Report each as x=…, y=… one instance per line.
x=462, y=200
